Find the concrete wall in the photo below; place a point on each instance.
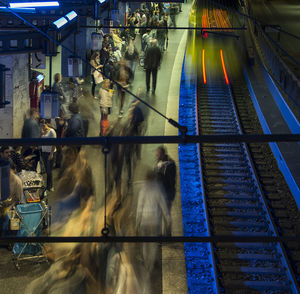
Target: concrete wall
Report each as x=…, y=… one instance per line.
x=17, y=93
x=21, y=99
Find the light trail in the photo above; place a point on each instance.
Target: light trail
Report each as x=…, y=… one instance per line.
x=203, y=66
x=224, y=69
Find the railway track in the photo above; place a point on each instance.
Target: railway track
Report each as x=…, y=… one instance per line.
x=237, y=185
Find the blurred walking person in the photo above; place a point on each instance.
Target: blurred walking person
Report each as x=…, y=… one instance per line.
x=31, y=129
x=152, y=217
x=166, y=173
x=131, y=56
x=105, y=94
x=123, y=76
x=152, y=63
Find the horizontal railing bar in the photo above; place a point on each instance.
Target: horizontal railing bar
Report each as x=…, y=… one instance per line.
x=150, y=239
x=153, y=140
x=243, y=28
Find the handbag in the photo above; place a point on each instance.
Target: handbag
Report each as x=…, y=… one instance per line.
x=98, y=77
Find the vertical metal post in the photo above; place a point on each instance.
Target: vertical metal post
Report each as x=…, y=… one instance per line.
x=50, y=72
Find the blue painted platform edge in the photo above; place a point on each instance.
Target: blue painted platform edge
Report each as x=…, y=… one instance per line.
x=278, y=156
x=285, y=110
x=197, y=255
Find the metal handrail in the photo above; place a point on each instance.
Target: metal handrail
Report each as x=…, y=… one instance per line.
x=152, y=140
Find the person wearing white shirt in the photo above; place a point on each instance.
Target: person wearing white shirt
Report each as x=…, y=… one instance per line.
x=105, y=94
x=48, y=152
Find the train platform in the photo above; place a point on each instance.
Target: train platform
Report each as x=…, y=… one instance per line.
x=276, y=117
x=170, y=275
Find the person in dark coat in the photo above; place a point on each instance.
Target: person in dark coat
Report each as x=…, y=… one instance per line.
x=152, y=63
x=75, y=126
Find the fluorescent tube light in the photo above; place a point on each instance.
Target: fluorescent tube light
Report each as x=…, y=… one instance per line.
x=33, y=4
x=71, y=15
x=60, y=22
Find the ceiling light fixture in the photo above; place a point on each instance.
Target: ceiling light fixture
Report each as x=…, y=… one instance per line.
x=60, y=22
x=33, y=4
x=71, y=15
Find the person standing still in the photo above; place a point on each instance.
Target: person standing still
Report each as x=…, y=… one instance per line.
x=95, y=63
x=152, y=63
x=48, y=152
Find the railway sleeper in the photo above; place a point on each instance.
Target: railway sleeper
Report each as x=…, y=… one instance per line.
x=205, y=117
x=238, y=223
x=222, y=168
x=214, y=125
x=222, y=151
x=249, y=269
x=257, y=245
x=242, y=214
x=239, y=181
x=226, y=174
x=248, y=256
x=219, y=103
x=214, y=188
x=222, y=148
x=259, y=285
x=240, y=233
x=225, y=162
x=236, y=196
x=233, y=204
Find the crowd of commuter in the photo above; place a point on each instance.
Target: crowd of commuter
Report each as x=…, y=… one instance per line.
x=112, y=72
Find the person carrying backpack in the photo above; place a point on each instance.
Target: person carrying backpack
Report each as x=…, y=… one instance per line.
x=166, y=174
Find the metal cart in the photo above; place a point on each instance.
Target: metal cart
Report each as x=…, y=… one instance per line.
x=34, y=217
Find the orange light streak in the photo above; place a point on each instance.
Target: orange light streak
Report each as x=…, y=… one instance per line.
x=223, y=65
x=203, y=66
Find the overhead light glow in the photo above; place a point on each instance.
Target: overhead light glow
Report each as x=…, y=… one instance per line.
x=60, y=22
x=71, y=15
x=33, y=4
x=101, y=1
x=26, y=10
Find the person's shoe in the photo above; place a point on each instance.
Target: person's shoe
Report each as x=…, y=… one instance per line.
x=153, y=91
x=52, y=189
x=95, y=97
x=121, y=114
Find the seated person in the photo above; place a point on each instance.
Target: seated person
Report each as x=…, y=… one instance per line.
x=16, y=197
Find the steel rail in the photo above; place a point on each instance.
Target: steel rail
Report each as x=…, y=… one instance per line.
x=205, y=201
